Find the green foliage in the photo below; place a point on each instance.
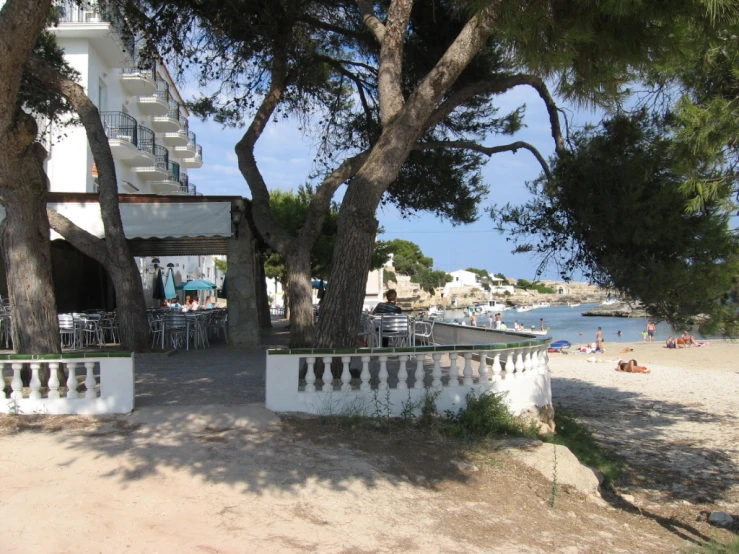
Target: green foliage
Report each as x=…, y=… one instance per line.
x=486, y=416
x=35, y=96
x=431, y=279
x=221, y=265
x=388, y=276
x=576, y=436
x=713, y=547
x=528, y=285
x=615, y=209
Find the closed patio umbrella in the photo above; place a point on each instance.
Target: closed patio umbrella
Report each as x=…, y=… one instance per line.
x=169, y=289
x=158, y=292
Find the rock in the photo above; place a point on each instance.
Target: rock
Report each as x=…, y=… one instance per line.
x=652, y=413
x=465, y=467
x=720, y=518
x=556, y=460
x=628, y=498
x=518, y=442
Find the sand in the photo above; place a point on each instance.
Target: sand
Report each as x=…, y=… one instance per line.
x=677, y=426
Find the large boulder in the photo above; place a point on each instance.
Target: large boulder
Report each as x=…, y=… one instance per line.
x=552, y=461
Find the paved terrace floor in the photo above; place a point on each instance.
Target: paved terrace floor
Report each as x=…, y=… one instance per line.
x=216, y=375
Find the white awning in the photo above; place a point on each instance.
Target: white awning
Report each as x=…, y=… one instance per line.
x=143, y=220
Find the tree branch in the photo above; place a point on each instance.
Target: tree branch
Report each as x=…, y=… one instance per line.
x=79, y=238
x=271, y=232
x=98, y=141
x=357, y=81
x=487, y=150
x=498, y=86
x=318, y=24
x=21, y=22
x=390, y=76
x=370, y=19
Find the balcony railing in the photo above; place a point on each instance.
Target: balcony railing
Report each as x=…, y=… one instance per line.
x=71, y=11
x=162, y=157
x=184, y=182
x=120, y=126
x=191, y=137
x=149, y=72
x=199, y=152
x=146, y=139
x=174, y=171
x=162, y=90
x=174, y=109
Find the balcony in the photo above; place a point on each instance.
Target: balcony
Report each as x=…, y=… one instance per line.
x=171, y=183
x=139, y=82
x=156, y=104
x=159, y=169
x=188, y=150
x=169, y=124
x=89, y=20
x=145, y=154
x=122, y=132
x=196, y=162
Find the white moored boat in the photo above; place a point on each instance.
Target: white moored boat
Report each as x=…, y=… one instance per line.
x=573, y=304
x=524, y=308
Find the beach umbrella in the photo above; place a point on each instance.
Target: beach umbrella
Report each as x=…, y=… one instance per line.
x=169, y=288
x=321, y=290
x=196, y=284
x=224, y=287
x=158, y=292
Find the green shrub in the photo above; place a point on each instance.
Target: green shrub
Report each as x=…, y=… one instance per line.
x=487, y=415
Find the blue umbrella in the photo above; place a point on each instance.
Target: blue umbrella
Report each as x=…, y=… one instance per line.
x=196, y=284
x=169, y=289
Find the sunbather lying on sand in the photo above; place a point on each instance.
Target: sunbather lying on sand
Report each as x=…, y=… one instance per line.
x=631, y=367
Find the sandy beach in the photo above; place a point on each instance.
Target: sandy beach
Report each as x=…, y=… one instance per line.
x=678, y=426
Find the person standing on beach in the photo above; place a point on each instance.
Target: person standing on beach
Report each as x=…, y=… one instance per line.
x=651, y=328
x=644, y=335
x=541, y=323
x=599, y=339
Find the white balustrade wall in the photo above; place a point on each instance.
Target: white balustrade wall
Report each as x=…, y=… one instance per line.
x=91, y=385
x=451, y=372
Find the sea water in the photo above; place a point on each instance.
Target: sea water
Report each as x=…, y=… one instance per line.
x=569, y=324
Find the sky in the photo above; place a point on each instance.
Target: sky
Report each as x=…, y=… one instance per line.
x=285, y=158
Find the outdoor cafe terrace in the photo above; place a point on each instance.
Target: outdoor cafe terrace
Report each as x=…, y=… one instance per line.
x=461, y=360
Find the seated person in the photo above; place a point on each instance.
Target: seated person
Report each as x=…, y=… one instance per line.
x=631, y=367
x=195, y=305
x=688, y=339
x=209, y=305
x=175, y=303
x=670, y=343
x=389, y=307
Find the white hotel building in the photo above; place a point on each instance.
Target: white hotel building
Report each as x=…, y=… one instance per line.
x=154, y=151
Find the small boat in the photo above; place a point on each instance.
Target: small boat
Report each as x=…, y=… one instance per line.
x=609, y=302
x=524, y=308
x=537, y=331
x=543, y=305
x=573, y=304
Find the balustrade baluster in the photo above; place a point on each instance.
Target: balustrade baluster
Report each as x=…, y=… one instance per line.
x=365, y=375
x=527, y=360
x=436, y=372
x=403, y=373
x=544, y=361
x=90, y=382
x=383, y=373
x=419, y=374
x=482, y=372
x=72, y=380
x=17, y=383
x=2, y=368
x=467, y=371
x=453, y=370
x=519, y=364
x=328, y=378
x=497, y=368
x=345, y=375
x=310, y=374
x=53, y=380
x=35, y=384
x=510, y=367
x=534, y=363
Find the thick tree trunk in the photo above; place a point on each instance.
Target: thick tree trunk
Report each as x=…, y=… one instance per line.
x=25, y=243
x=302, y=322
x=130, y=308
